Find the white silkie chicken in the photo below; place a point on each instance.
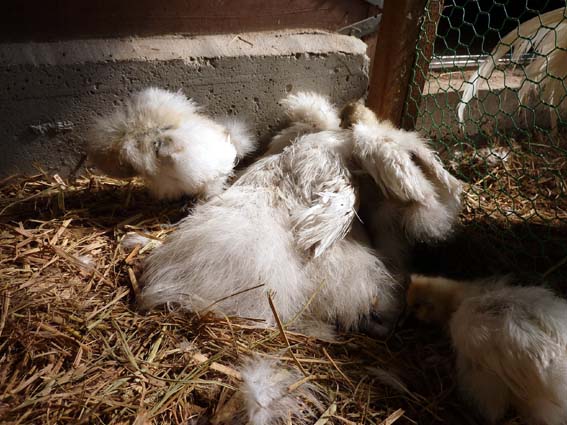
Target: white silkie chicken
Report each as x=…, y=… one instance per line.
x=406, y=195
x=425, y=197
x=164, y=138
x=511, y=344
x=286, y=227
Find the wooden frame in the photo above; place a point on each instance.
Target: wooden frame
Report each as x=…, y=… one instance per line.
x=396, y=55
x=37, y=20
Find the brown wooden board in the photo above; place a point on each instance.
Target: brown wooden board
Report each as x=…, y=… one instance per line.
x=67, y=19
x=421, y=64
x=394, y=58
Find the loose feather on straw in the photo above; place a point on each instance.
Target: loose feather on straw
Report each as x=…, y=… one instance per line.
x=270, y=396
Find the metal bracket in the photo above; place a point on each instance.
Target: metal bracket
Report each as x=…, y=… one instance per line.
x=362, y=28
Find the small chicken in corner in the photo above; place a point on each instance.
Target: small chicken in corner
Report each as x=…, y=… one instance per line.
x=510, y=342
x=163, y=137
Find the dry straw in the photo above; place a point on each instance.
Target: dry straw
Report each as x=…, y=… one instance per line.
x=75, y=349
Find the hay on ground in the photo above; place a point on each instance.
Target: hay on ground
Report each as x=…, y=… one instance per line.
x=75, y=349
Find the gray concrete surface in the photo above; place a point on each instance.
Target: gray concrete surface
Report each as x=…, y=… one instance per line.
x=50, y=92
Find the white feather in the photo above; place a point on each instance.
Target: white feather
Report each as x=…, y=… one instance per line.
x=408, y=171
x=308, y=112
x=518, y=334
x=133, y=239
x=87, y=261
x=267, y=397
x=240, y=135
x=326, y=221
x=313, y=109
x=262, y=231
x=227, y=246
x=355, y=285
x=285, y=228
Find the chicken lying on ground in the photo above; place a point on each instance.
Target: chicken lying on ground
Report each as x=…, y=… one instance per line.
x=162, y=137
x=511, y=343
x=286, y=228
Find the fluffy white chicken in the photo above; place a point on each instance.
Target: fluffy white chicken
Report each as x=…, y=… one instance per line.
x=424, y=197
x=285, y=227
x=546, y=36
x=405, y=193
x=511, y=343
x=162, y=137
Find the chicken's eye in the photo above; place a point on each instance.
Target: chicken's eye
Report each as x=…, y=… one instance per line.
x=157, y=145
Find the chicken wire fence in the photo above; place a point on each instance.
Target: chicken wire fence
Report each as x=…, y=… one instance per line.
x=494, y=103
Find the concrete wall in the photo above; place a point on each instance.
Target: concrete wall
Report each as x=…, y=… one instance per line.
x=50, y=92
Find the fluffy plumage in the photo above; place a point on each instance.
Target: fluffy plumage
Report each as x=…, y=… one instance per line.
x=405, y=193
x=511, y=344
x=240, y=134
x=268, y=396
x=274, y=227
x=355, y=112
x=285, y=224
x=546, y=35
x=286, y=227
x=162, y=137
x=307, y=112
x=409, y=173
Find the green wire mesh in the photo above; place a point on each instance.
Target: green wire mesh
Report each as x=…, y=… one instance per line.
x=511, y=148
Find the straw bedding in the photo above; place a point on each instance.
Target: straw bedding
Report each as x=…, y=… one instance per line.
x=75, y=349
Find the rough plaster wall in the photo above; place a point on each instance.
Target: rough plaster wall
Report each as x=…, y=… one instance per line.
x=52, y=91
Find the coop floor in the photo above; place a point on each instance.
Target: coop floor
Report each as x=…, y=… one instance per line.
x=75, y=349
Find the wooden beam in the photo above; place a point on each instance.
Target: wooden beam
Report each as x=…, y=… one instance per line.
x=40, y=20
x=371, y=39
x=421, y=68
x=394, y=58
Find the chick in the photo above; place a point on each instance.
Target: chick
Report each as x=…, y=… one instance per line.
x=284, y=229
x=422, y=196
x=405, y=193
x=162, y=137
x=511, y=344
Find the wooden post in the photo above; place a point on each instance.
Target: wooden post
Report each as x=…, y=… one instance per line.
x=421, y=64
x=394, y=58
x=41, y=20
